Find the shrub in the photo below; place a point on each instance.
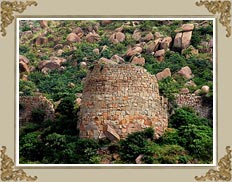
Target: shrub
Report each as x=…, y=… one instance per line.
x=54, y=145
x=173, y=154
x=184, y=116
x=26, y=88
x=28, y=128
x=170, y=137
x=86, y=151
x=198, y=140
x=55, y=84
x=30, y=146
x=66, y=105
x=37, y=115
x=23, y=49
x=135, y=144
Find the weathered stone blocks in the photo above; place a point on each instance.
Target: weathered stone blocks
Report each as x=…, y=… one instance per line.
x=121, y=99
x=30, y=103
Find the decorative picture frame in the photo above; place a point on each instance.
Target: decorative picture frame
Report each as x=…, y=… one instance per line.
x=222, y=171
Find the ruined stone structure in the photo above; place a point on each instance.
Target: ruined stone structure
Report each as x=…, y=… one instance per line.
x=194, y=101
x=27, y=104
x=119, y=99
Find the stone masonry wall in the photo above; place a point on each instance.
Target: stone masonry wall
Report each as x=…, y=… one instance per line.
x=121, y=99
x=29, y=103
x=194, y=101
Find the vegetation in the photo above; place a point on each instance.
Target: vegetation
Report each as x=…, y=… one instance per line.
x=189, y=137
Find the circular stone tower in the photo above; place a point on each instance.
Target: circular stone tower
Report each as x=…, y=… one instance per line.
x=119, y=99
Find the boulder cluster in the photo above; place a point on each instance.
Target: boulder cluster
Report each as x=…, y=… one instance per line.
x=145, y=42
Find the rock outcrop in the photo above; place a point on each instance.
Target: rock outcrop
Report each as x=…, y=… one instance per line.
x=117, y=37
x=163, y=74
x=72, y=38
x=29, y=104
x=183, y=37
x=186, y=72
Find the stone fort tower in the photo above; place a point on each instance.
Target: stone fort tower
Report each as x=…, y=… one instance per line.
x=119, y=99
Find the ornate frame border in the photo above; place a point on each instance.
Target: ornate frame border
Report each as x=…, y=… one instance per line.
x=7, y=167
x=7, y=12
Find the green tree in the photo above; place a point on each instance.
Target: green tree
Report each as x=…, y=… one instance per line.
x=30, y=146
x=26, y=88
x=135, y=144
x=198, y=140
x=184, y=116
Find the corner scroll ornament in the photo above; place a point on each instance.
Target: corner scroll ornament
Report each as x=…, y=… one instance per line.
x=221, y=7
x=223, y=171
x=7, y=9
x=7, y=169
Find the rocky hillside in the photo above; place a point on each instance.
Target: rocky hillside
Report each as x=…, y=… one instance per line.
x=55, y=57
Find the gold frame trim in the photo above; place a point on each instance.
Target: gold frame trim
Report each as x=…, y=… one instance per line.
x=221, y=7
x=7, y=12
x=223, y=171
x=8, y=171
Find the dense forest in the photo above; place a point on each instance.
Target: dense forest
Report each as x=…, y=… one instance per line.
x=55, y=57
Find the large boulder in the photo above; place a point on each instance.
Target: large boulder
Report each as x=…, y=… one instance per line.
x=105, y=61
x=137, y=35
x=78, y=101
x=48, y=64
x=72, y=38
x=138, y=61
x=23, y=59
x=178, y=41
x=119, y=29
x=160, y=53
x=186, y=72
x=83, y=64
x=183, y=37
x=106, y=22
x=92, y=37
x=211, y=43
x=186, y=39
x=59, y=52
x=157, y=35
x=23, y=67
x=165, y=43
x=205, y=89
x=41, y=40
x=58, y=46
x=153, y=45
x=43, y=23
x=133, y=51
x=149, y=37
x=96, y=51
x=117, y=59
x=51, y=64
x=187, y=27
x=110, y=133
x=117, y=37
x=184, y=91
x=78, y=31
x=58, y=60
x=163, y=74
x=190, y=84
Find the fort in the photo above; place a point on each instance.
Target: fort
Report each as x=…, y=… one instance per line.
x=119, y=99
